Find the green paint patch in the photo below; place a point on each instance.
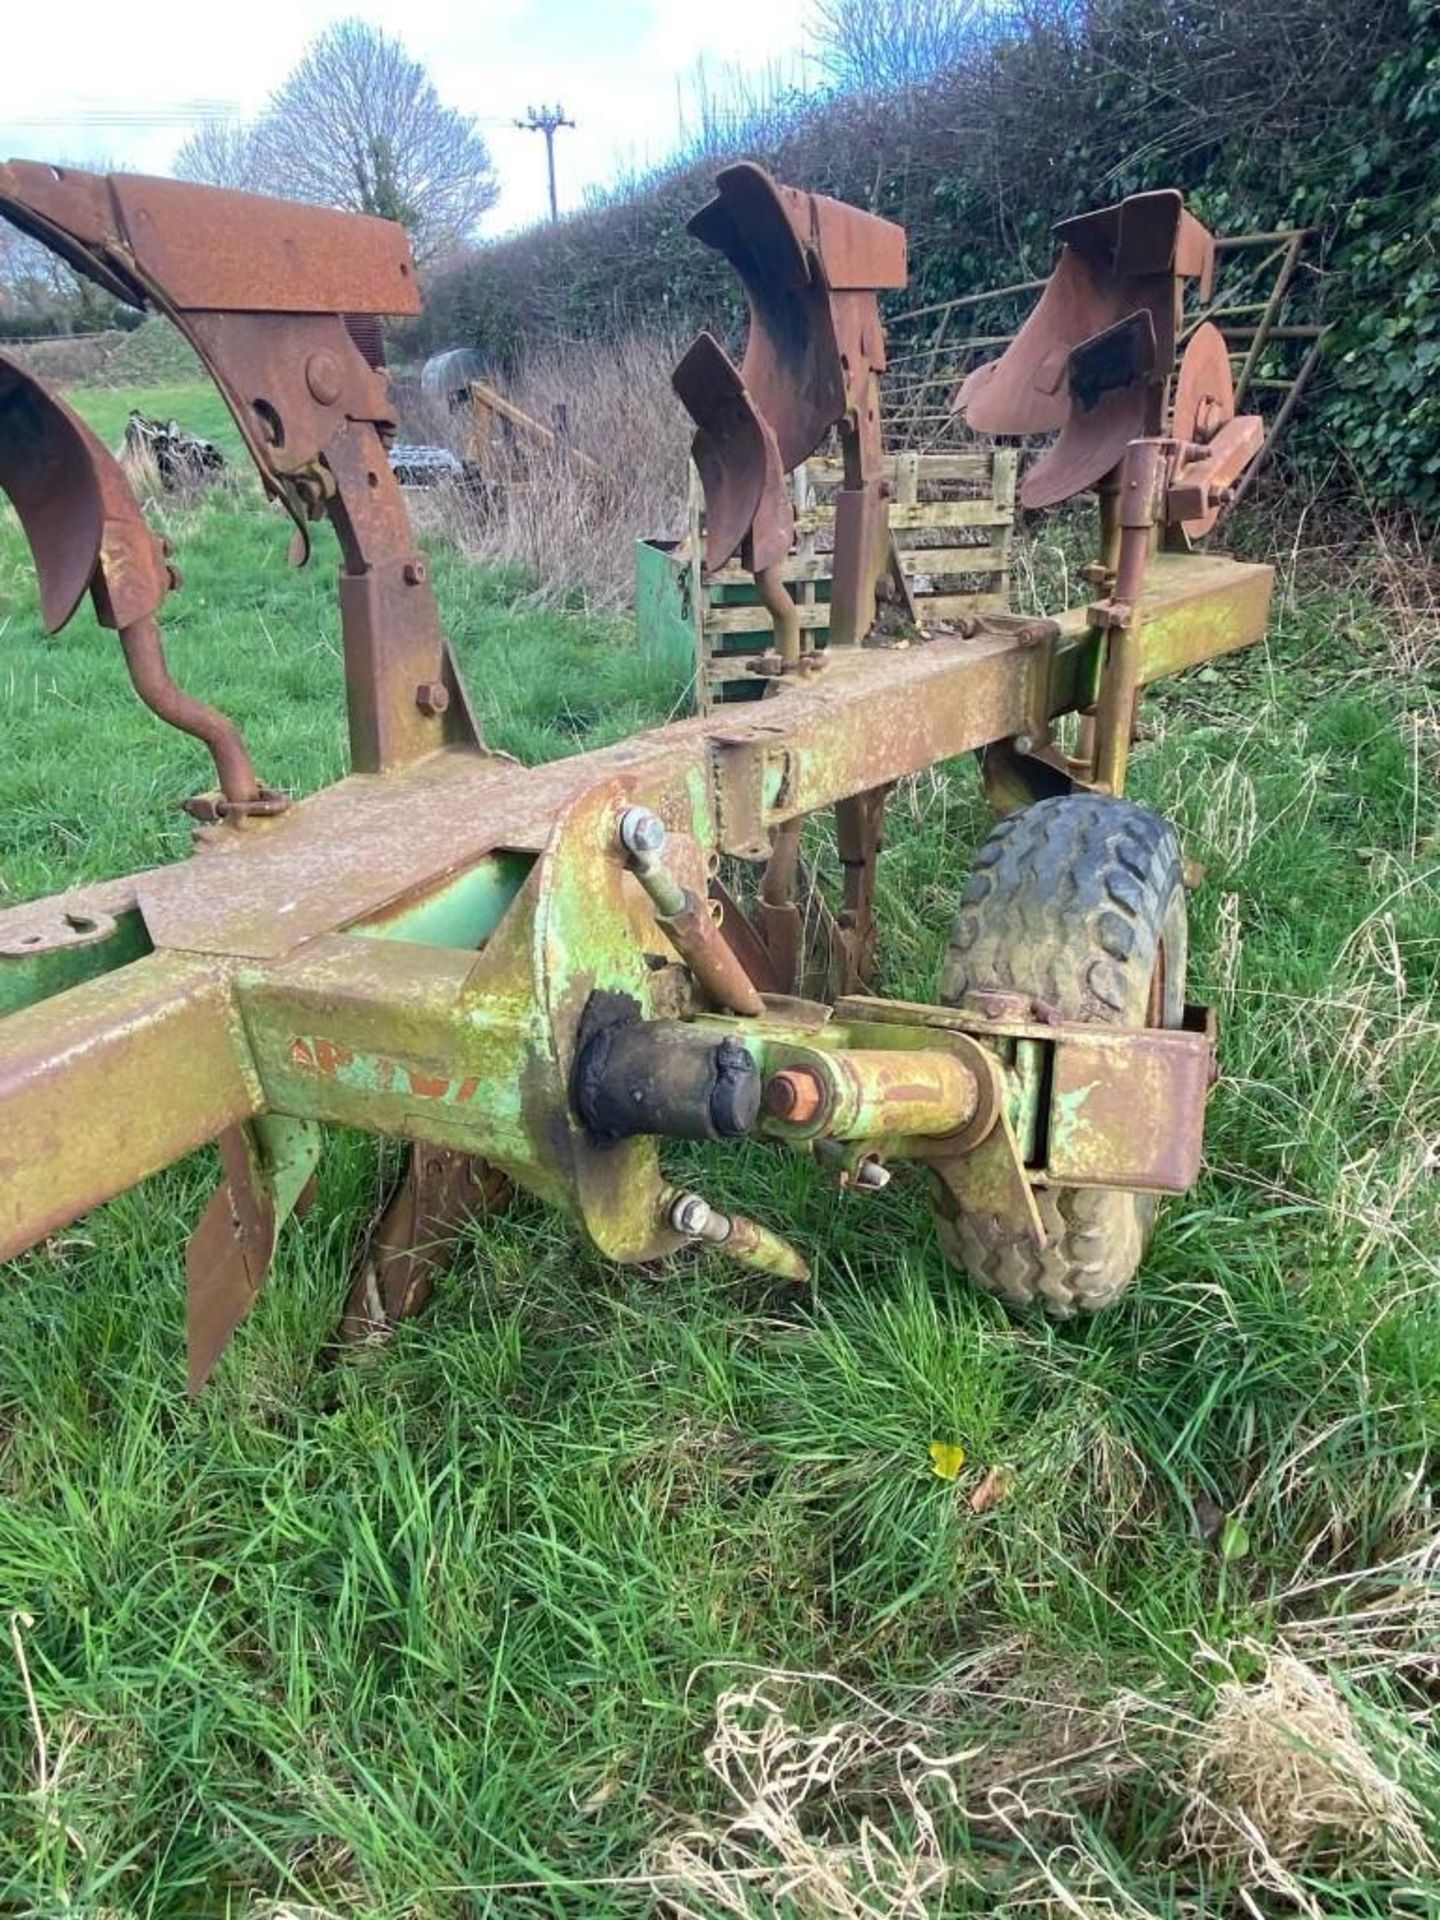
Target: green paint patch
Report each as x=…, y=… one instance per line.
x=463, y=913
x=26, y=978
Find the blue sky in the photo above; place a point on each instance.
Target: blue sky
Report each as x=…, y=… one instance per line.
x=124, y=80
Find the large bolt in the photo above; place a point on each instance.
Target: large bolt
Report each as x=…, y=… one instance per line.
x=872, y=1176
x=795, y=1095
x=322, y=376
x=641, y=831
x=432, y=697
x=413, y=573
x=690, y=1214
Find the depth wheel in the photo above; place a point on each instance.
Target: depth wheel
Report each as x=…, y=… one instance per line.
x=1078, y=901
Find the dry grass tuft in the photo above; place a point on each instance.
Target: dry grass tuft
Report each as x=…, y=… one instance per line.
x=141, y=469
x=570, y=528
x=833, y=1801
x=1407, y=574
x=1282, y=1777
x=784, y=1835
x=1005, y=1776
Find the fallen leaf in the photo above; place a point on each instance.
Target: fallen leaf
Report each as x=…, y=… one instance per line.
x=946, y=1459
x=998, y=1482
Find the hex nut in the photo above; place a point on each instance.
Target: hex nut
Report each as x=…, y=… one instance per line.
x=641, y=831
x=690, y=1214
x=432, y=697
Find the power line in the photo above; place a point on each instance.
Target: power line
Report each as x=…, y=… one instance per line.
x=98, y=114
x=547, y=120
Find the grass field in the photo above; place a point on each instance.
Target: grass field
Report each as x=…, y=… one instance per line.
x=616, y=1592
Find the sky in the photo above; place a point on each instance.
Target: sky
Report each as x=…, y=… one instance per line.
x=124, y=81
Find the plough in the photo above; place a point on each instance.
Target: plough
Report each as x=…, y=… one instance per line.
x=536, y=975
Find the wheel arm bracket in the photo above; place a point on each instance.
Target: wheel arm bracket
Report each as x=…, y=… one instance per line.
x=1118, y=1107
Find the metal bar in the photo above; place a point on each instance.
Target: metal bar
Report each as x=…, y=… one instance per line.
x=1282, y=418
x=1308, y=331
x=863, y=1094
x=367, y=845
x=965, y=300
x=1206, y=617
x=1235, y=242
x=776, y=600
x=1141, y=478
x=111, y=1081
x=1267, y=318
x=480, y=393
x=403, y=689
x=379, y=1035
x=145, y=659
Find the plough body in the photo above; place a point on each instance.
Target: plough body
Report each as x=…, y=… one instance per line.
x=537, y=970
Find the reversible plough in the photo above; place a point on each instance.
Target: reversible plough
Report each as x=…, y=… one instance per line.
x=535, y=974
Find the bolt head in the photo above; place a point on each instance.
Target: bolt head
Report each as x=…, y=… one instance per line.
x=322, y=376
x=432, y=697
x=641, y=831
x=414, y=573
x=872, y=1176
x=690, y=1213
x=794, y=1094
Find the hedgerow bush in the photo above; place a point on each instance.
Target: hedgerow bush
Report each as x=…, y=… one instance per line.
x=1317, y=112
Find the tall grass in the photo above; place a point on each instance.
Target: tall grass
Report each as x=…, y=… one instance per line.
x=569, y=526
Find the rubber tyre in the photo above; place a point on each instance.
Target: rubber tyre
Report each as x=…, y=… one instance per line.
x=1077, y=901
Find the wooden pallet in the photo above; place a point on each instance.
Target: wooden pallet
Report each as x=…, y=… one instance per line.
x=953, y=518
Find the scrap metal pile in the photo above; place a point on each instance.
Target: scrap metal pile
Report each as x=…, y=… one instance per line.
x=533, y=974
x=181, y=460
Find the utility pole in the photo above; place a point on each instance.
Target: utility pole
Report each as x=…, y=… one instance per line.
x=547, y=120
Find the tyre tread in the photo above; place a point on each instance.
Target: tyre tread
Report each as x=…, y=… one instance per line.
x=1068, y=902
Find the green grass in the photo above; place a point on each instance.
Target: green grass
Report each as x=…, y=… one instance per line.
x=154, y=356
x=442, y=1630
x=199, y=408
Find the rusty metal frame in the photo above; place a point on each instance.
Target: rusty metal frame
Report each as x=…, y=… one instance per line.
x=423, y=950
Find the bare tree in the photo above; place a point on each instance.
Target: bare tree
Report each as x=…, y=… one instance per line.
x=221, y=153
x=880, y=46
x=9, y=269
x=39, y=293
x=359, y=124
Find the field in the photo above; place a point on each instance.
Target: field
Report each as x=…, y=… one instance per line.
x=603, y=1592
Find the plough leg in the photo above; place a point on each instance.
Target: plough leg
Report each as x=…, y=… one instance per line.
x=267, y=1169
x=777, y=912
x=859, y=831
x=438, y=1194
